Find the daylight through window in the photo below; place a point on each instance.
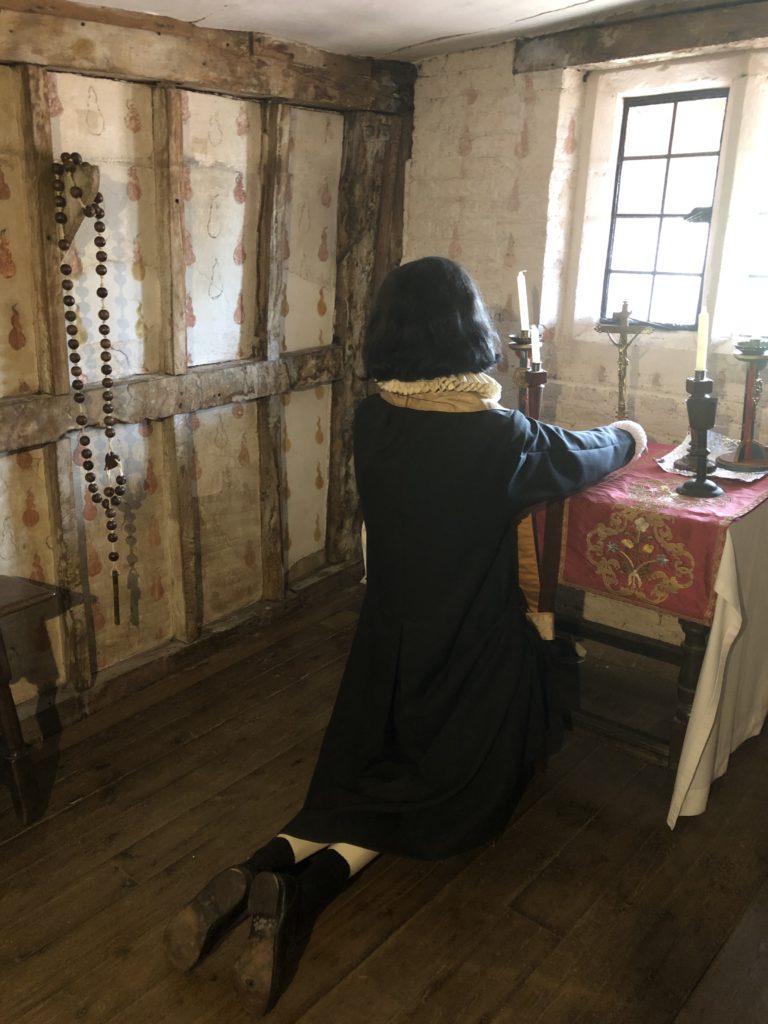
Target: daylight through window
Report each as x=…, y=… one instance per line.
x=666, y=174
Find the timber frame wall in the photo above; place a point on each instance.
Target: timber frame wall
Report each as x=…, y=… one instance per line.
x=375, y=99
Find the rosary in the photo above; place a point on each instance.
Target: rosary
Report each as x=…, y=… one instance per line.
x=103, y=489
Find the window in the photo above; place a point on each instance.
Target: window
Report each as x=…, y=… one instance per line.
x=669, y=151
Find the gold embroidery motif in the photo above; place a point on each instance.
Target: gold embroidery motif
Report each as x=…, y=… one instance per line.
x=635, y=556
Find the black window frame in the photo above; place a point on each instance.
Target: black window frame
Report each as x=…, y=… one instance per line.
x=659, y=98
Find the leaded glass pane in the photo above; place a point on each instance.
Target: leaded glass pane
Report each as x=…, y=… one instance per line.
x=635, y=289
x=699, y=125
x=682, y=246
x=690, y=183
x=634, y=243
x=642, y=186
x=648, y=129
x=675, y=299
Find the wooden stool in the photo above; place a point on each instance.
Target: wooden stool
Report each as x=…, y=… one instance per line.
x=17, y=595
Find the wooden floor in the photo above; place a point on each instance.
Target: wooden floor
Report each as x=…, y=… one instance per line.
x=587, y=911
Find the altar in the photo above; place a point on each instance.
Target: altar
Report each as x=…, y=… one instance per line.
x=635, y=539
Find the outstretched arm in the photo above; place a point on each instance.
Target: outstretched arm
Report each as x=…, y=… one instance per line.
x=555, y=462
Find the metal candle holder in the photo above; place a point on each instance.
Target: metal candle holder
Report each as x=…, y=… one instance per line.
x=702, y=409
x=521, y=346
x=529, y=376
x=750, y=455
x=619, y=323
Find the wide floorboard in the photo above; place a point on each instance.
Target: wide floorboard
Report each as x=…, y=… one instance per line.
x=588, y=910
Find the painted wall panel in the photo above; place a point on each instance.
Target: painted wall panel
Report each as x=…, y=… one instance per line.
x=226, y=467
x=307, y=453
x=110, y=124
x=18, y=358
x=222, y=198
x=313, y=142
x=145, y=564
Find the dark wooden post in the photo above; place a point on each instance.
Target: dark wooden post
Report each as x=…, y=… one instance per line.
x=369, y=245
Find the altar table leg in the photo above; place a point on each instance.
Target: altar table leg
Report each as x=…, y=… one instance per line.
x=15, y=752
x=693, y=647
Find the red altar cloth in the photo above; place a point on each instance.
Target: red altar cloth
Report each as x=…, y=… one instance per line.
x=634, y=538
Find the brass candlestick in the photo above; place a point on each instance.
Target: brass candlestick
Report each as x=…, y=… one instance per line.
x=702, y=409
x=619, y=323
x=750, y=455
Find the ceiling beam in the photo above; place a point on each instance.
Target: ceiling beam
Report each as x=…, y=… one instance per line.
x=142, y=47
x=657, y=36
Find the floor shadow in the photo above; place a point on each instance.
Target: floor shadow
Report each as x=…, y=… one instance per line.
x=31, y=772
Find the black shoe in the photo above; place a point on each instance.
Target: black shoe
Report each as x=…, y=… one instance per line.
x=260, y=971
x=220, y=906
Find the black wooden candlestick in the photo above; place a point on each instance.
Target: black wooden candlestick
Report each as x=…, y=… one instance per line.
x=702, y=409
x=535, y=379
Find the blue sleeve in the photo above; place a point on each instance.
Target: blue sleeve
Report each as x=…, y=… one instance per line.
x=554, y=462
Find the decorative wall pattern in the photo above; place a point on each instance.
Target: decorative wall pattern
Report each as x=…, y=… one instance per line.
x=307, y=452
x=226, y=470
x=110, y=124
x=189, y=524
x=145, y=565
x=222, y=198
x=18, y=358
x=312, y=141
x=26, y=551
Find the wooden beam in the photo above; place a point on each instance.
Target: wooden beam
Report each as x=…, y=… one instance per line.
x=274, y=518
x=33, y=420
x=108, y=15
x=168, y=158
x=211, y=60
x=369, y=244
x=183, y=509
x=271, y=414
x=68, y=546
x=658, y=36
x=273, y=200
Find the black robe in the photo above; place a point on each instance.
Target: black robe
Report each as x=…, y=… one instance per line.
x=443, y=709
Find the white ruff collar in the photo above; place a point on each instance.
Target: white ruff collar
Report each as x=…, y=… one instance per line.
x=481, y=384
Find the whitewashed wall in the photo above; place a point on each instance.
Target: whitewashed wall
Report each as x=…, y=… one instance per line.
x=509, y=172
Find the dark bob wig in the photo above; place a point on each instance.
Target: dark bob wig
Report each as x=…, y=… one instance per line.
x=428, y=320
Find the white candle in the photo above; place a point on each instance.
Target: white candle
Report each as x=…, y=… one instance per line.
x=702, y=340
x=522, y=298
x=535, y=344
